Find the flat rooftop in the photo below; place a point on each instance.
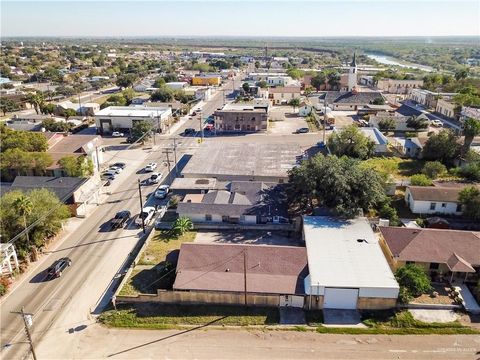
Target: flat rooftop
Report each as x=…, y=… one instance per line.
x=223, y=159
x=241, y=107
x=336, y=257
x=132, y=111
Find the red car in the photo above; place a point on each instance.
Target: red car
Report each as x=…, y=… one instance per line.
x=209, y=127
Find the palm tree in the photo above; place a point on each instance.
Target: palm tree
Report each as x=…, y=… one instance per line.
x=23, y=205
x=471, y=128
x=182, y=225
x=36, y=100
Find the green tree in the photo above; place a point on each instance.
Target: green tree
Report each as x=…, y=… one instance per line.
x=246, y=87
x=262, y=84
x=163, y=94
x=333, y=80
x=461, y=74
x=413, y=279
x=442, y=146
x=318, y=80
x=350, y=141
x=76, y=166
x=378, y=101
x=56, y=126
x=159, y=82
x=295, y=73
x=69, y=112
x=469, y=197
x=24, y=140
x=434, y=169
x=471, y=128
x=46, y=208
x=420, y=180
x=23, y=205
x=126, y=80
x=181, y=226
x=170, y=77
x=8, y=105
x=36, y=100
x=48, y=109
x=417, y=123
x=294, y=103
x=387, y=124
x=141, y=128
x=338, y=183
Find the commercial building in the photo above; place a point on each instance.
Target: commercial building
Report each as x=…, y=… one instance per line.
x=122, y=118
x=205, y=79
x=243, y=161
x=394, y=86
x=347, y=268
x=283, y=95
x=446, y=108
x=242, y=118
x=349, y=100
x=429, y=98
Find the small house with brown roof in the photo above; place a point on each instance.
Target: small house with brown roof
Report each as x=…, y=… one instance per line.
x=434, y=199
x=454, y=254
x=224, y=273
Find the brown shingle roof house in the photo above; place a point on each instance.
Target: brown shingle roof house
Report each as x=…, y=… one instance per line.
x=458, y=250
x=220, y=267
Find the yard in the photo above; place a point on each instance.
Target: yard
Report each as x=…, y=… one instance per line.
x=442, y=298
x=155, y=270
x=399, y=168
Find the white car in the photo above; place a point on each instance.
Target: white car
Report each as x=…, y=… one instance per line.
x=162, y=192
x=436, y=123
x=154, y=178
x=146, y=214
x=117, y=134
x=117, y=170
x=150, y=167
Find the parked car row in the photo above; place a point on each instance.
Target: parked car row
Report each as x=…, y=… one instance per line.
x=113, y=170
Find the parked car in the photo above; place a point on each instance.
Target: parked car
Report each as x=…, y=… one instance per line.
x=116, y=169
x=118, y=134
x=150, y=167
x=162, y=192
x=209, y=127
x=302, y=130
x=194, y=113
x=109, y=174
x=58, y=267
x=188, y=131
x=436, y=122
x=120, y=219
x=154, y=178
x=119, y=165
x=146, y=214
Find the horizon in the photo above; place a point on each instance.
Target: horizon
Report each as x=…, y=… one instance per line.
x=272, y=19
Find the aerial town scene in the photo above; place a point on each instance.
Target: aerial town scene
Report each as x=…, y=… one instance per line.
x=240, y=179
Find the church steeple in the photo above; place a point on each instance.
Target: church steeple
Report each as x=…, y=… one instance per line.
x=354, y=61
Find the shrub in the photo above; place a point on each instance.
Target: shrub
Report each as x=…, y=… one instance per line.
x=3, y=289
x=420, y=180
x=434, y=169
x=413, y=279
x=410, y=134
x=420, y=222
x=390, y=213
x=404, y=296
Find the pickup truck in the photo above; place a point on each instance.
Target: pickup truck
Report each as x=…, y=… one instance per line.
x=120, y=219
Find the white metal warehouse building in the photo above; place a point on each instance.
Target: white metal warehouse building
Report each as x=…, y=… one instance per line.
x=121, y=118
x=347, y=268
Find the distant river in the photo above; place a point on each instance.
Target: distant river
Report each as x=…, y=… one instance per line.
x=388, y=60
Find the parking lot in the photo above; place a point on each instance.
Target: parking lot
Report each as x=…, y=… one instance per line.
x=251, y=237
x=284, y=121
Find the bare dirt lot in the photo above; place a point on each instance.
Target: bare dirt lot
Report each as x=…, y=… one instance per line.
x=284, y=121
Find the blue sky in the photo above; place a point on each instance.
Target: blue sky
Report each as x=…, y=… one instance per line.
x=240, y=18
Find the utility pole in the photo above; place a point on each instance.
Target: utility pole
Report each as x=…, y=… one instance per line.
x=98, y=160
x=175, y=155
x=141, y=205
x=27, y=322
x=324, y=118
x=245, y=275
x=167, y=152
x=201, y=125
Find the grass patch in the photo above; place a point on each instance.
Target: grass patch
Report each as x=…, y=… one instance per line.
x=313, y=125
x=162, y=316
x=162, y=244
x=395, y=166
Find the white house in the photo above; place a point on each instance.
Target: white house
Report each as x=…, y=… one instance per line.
x=434, y=199
x=115, y=118
x=279, y=81
x=304, y=109
x=377, y=137
x=347, y=268
x=176, y=85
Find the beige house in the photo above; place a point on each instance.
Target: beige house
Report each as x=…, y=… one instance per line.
x=446, y=108
x=283, y=95
x=394, y=86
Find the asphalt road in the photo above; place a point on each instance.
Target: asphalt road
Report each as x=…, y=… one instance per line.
x=97, y=254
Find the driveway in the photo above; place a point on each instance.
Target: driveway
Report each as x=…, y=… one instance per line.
x=339, y=317
x=434, y=315
x=247, y=237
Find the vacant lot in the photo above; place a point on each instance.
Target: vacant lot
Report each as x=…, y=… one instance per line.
x=248, y=237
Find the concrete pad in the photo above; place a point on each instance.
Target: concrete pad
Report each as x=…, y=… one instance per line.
x=292, y=316
x=250, y=237
x=342, y=318
x=434, y=315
